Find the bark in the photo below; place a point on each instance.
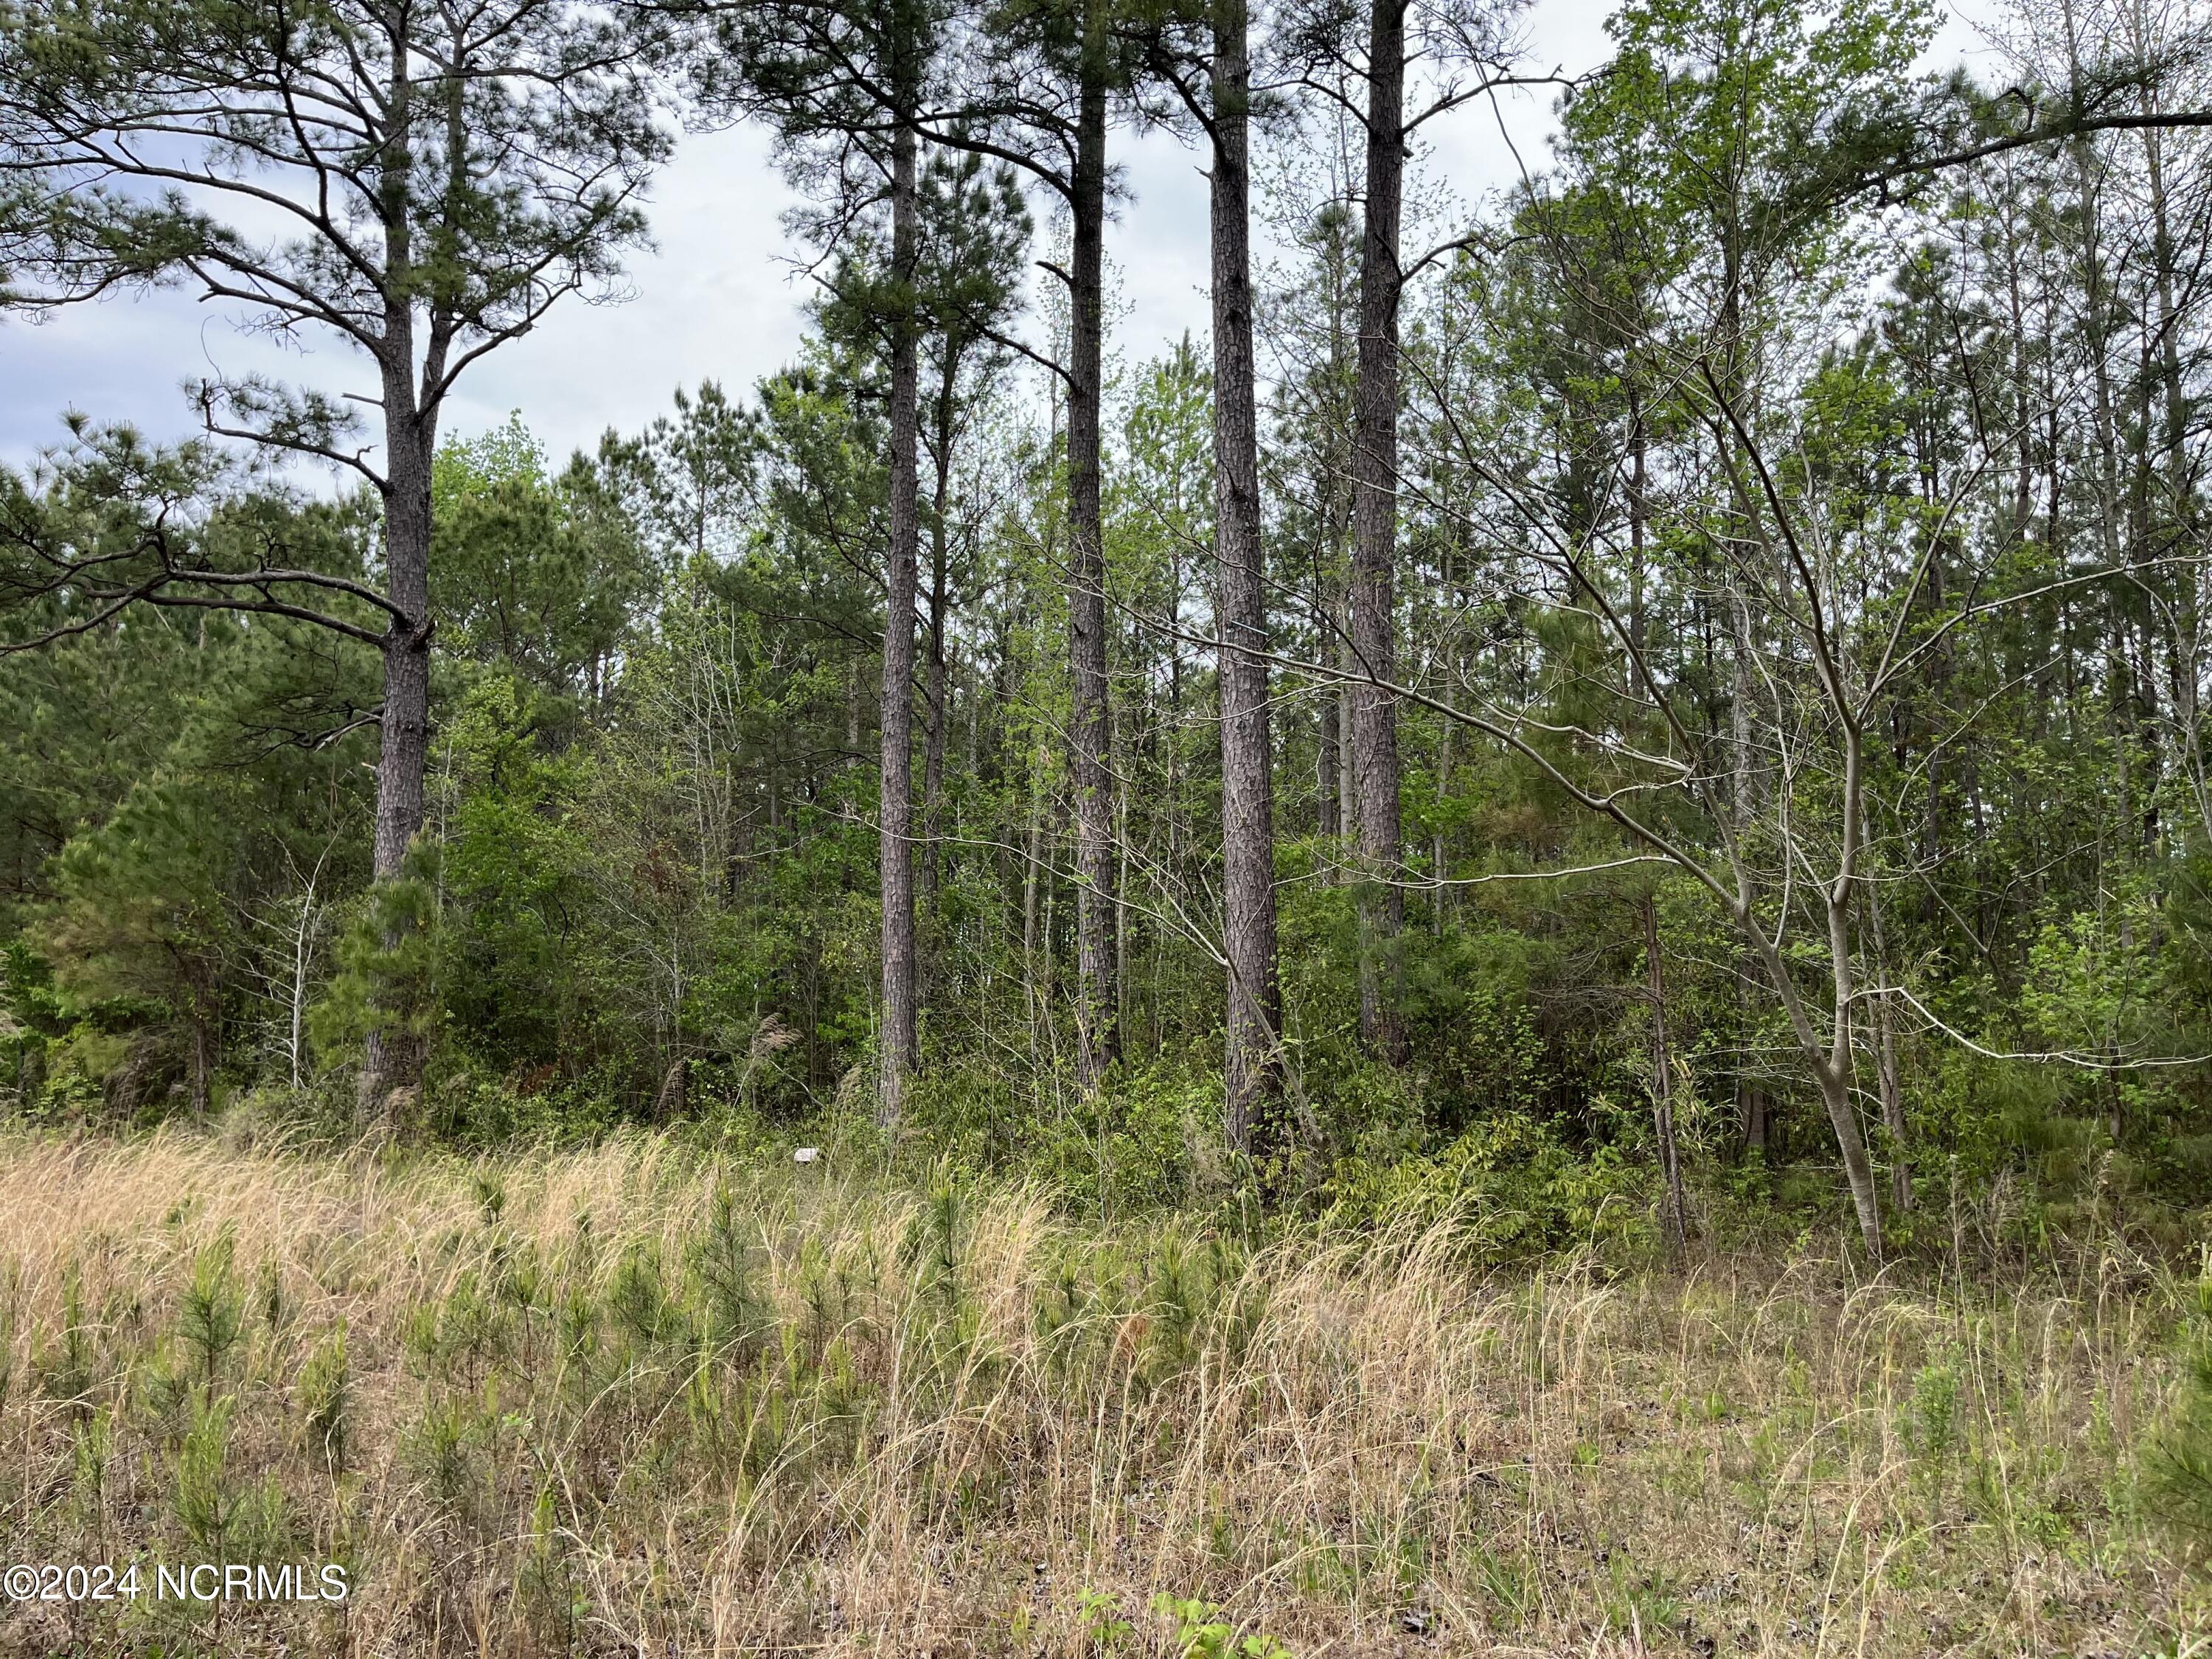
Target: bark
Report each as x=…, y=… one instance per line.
x=1097, y=950
x=1035, y=987
x=1886, y=1074
x=1830, y=1064
x=1673, y=1211
x=897, y=1046
x=202, y=1072
x=1348, y=798
x=1835, y=1070
x=1751, y=1099
x=1375, y=532
x=935, y=694
x=394, y=1057
x=1326, y=764
x=1835, y=1078
x=1254, y=1060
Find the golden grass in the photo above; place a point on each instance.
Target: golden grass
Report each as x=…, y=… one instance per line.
x=631, y=1401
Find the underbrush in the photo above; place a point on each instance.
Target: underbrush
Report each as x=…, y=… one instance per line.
x=636, y=1398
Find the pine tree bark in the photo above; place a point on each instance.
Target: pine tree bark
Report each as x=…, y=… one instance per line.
x=1375, y=533
x=897, y=1046
x=1253, y=1060
x=1097, y=949
x=393, y=1056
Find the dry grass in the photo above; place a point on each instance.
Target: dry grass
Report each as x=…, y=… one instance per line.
x=626, y=1401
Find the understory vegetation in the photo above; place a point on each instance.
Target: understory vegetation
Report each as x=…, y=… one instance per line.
x=661, y=1396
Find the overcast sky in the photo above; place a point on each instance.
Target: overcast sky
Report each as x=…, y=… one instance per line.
x=716, y=298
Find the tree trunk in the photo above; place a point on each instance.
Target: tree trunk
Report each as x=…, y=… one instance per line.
x=1673, y=1211
x=1835, y=1077
x=897, y=1046
x=1885, y=1069
x=1326, y=763
x=393, y=1059
x=932, y=767
x=1752, y=1105
x=303, y=938
x=1375, y=533
x=202, y=1078
x=1096, y=949
x=1248, y=816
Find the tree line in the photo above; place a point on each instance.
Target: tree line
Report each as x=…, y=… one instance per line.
x=1701, y=653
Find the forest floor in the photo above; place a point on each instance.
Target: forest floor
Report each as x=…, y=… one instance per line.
x=634, y=1401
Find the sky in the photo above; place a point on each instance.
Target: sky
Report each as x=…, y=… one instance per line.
x=717, y=297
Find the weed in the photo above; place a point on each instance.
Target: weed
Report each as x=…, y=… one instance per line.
x=206, y=1506
x=1104, y=1630
x=322, y=1398
x=1202, y=1633
x=1932, y=1428
x=2178, y=1464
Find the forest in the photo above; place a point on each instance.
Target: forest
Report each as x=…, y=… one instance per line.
x=1511, y=954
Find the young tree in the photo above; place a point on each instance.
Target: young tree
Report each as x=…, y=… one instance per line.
x=421, y=183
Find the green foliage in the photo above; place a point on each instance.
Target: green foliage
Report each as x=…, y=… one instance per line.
x=323, y=1398
x=1512, y=1184
x=1103, y=1627
x=210, y=1318
x=1200, y=1633
x=649, y=887
x=386, y=963
x=539, y=576
x=206, y=1504
x=2177, y=1465
x=1933, y=1429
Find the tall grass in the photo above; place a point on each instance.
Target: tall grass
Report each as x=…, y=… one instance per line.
x=631, y=1401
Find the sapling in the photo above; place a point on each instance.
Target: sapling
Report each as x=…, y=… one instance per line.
x=213, y=1315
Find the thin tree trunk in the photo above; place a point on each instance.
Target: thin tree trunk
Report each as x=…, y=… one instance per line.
x=302, y=940
x=898, y=1046
x=1326, y=763
x=1347, y=781
x=1033, y=986
x=1835, y=1070
x=1835, y=1079
x=1375, y=532
x=1673, y=1211
x=1247, y=814
x=933, y=768
x=202, y=1079
x=1098, y=1037
x=1751, y=1099
x=1886, y=1074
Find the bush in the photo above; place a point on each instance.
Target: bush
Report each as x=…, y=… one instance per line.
x=1512, y=1182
